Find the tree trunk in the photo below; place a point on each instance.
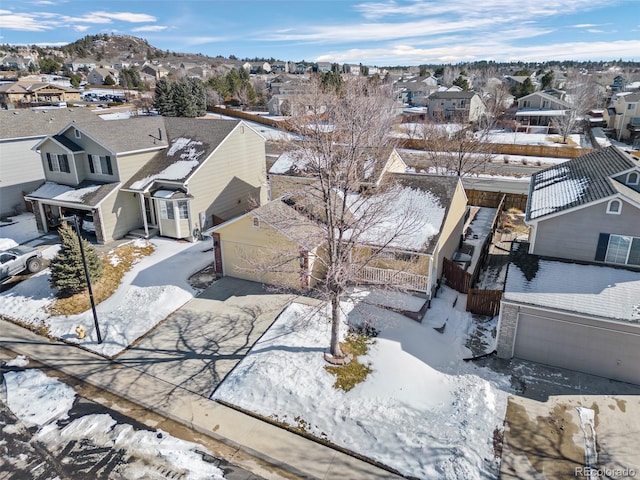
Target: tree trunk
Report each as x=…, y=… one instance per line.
x=336, y=351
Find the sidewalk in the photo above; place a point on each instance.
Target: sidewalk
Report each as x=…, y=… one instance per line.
x=277, y=446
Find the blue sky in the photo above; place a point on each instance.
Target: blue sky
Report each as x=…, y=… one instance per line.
x=382, y=32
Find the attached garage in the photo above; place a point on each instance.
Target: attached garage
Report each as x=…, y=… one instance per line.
x=574, y=316
x=607, y=349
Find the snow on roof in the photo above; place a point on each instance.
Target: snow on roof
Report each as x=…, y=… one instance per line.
x=289, y=160
x=541, y=112
x=189, y=154
x=164, y=193
x=55, y=191
x=560, y=191
x=590, y=289
x=405, y=218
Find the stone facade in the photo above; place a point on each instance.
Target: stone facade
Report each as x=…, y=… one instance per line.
x=507, y=327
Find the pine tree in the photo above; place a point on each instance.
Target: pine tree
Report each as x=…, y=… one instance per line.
x=183, y=100
x=163, y=100
x=67, y=270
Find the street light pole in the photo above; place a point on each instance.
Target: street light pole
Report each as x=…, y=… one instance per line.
x=86, y=274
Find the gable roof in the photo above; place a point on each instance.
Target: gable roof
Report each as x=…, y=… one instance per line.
x=128, y=134
x=546, y=96
x=191, y=143
x=26, y=123
x=577, y=182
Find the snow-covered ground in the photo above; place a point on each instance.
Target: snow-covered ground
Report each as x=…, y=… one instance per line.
x=40, y=402
x=156, y=286
x=423, y=410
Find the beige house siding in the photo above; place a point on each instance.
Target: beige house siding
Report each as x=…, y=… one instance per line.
x=130, y=164
x=476, y=109
x=82, y=159
x=261, y=254
x=232, y=181
x=120, y=213
x=452, y=228
x=20, y=170
x=52, y=147
x=574, y=235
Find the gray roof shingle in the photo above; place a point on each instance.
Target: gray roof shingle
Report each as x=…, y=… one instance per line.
x=25, y=123
x=191, y=142
x=577, y=182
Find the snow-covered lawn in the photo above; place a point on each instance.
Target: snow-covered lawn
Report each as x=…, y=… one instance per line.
x=423, y=411
x=39, y=402
x=155, y=287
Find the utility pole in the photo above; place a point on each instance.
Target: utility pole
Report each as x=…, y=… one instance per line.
x=76, y=223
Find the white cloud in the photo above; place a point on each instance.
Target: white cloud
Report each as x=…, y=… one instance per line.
x=23, y=22
x=404, y=54
x=150, y=28
x=81, y=28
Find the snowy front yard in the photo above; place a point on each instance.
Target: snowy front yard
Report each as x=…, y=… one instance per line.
x=155, y=287
x=423, y=411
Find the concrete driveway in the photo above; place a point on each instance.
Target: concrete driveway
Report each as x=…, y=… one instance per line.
x=199, y=344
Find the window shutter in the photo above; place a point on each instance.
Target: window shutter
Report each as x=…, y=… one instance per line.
x=109, y=169
x=601, y=251
x=49, y=161
x=91, y=167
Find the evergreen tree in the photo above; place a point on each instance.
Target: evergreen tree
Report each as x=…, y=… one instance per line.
x=183, y=100
x=461, y=82
x=163, y=100
x=199, y=94
x=109, y=80
x=67, y=269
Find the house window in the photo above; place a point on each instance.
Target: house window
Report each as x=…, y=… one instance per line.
x=620, y=249
x=633, y=178
x=183, y=209
x=100, y=164
x=58, y=163
x=615, y=207
x=631, y=106
x=526, y=104
x=256, y=222
x=77, y=133
x=166, y=210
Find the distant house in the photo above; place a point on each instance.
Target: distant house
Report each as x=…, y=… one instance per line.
x=415, y=93
x=452, y=106
x=623, y=115
x=174, y=176
x=540, y=109
x=572, y=295
x=97, y=76
x=20, y=167
x=156, y=71
x=36, y=92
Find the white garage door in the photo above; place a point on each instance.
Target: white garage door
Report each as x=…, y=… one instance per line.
x=593, y=348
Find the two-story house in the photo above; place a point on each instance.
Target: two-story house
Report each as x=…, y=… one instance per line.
x=452, y=106
x=97, y=76
x=623, y=115
x=36, y=92
x=20, y=167
x=540, y=109
x=175, y=176
x=572, y=295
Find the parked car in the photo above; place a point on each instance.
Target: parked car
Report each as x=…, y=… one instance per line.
x=87, y=223
x=19, y=259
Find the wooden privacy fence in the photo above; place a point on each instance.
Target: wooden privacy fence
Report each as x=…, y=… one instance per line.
x=484, y=302
x=456, y=277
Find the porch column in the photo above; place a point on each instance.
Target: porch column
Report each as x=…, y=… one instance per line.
x=144, y=215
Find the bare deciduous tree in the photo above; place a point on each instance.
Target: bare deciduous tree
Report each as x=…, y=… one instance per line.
x=453, y=149
x=581, y=96
x=343, y=148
